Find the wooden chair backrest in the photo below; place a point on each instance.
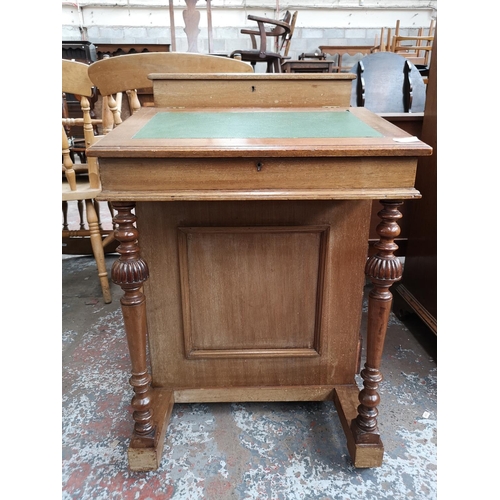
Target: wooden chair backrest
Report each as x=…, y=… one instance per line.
x=278, y=33
x=75, y=80
x=130, y=72
x=285, y=44
x=122, y=73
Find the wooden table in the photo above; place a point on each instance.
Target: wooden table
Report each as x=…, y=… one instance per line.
x=308, y=66
x=247, y=229
x=342, y=50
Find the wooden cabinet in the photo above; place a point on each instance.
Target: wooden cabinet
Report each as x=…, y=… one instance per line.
x=417, y=291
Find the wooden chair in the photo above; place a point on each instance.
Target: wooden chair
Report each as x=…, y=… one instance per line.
x=82, y=184
x=384, y=43
x=285, y=40
x=260, y=52
x=71, y=108
x=416, y=48
x=128, y=73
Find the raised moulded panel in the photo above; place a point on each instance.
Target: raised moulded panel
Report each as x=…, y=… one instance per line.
x=252, y=291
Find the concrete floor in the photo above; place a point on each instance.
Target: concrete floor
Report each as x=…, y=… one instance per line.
x=234, y=451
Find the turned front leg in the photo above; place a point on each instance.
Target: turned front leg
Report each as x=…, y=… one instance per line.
x=130, y=271
x=383, y=269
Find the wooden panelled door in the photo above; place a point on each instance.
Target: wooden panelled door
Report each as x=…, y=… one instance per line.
x=272, y=300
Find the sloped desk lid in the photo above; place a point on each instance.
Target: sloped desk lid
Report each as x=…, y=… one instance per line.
x=250, y=132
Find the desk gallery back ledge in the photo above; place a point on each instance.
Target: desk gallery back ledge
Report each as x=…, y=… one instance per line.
x=251, y=89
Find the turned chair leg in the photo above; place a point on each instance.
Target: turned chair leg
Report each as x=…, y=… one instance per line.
x=65, y=215
x=98, y=250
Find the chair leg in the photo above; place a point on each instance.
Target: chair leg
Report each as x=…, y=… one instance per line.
x=112, y=213
x=65, y=215
x=97, y=248
x=79, y=203
x=98, y=213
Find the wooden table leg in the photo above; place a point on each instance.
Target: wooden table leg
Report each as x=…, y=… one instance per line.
x=130, y=271
x=383, y=269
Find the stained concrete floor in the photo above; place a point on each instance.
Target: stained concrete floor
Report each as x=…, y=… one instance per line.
x=278, y=451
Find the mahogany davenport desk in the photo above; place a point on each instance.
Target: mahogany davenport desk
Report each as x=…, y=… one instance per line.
x=247, y=231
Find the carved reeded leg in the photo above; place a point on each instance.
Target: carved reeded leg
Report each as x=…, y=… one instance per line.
x=129, y=272
x=383, y=269
x=152, y=407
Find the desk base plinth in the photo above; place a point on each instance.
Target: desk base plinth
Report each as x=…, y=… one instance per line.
x=345, y=398
x=141, y=458
x=362, y=455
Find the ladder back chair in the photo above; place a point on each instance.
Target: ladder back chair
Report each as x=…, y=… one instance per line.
x=384, y=43
x=81, y=183
x=128, y=73
x=416, y=48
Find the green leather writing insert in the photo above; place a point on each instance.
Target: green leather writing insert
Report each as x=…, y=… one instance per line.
x=255, y=125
